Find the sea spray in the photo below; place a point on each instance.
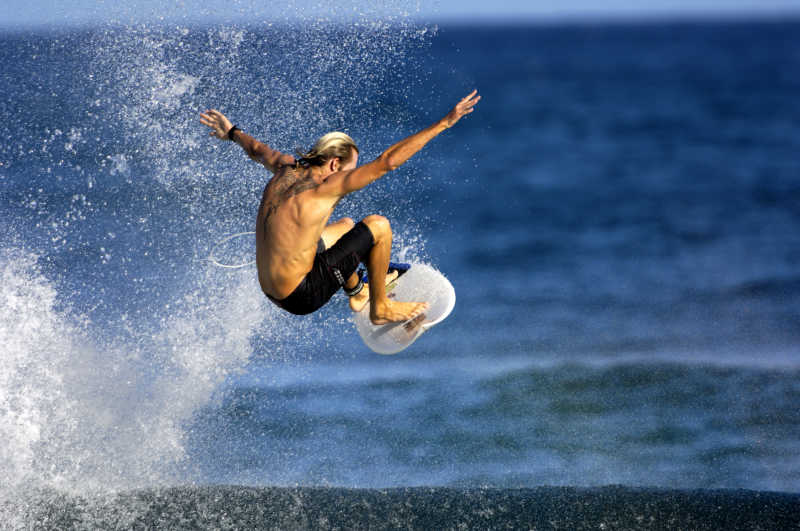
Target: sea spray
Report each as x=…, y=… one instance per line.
x=36, y=346
x=116, y=328
x=79, y=415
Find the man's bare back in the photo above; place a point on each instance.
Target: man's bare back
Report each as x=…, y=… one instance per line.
x=290, y=222
x=297, y=272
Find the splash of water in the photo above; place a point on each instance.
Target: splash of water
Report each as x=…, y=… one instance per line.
x=78, y=414
x=116, y=332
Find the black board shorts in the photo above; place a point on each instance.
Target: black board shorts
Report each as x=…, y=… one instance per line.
x=332, y=267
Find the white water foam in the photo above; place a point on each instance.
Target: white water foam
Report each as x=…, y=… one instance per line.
x=76, y=416
x=36, y=346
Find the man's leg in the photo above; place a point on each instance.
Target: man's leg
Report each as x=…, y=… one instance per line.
x=383, y=310
x=357, y=302
x=330, y=235
x=336, y=230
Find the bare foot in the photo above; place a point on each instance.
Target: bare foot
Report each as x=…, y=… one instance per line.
x=358, y=302
x=393, y=311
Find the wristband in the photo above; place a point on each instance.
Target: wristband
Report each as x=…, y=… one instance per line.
x=231, y=131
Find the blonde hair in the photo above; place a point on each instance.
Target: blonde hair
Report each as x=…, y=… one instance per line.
x=331, y=145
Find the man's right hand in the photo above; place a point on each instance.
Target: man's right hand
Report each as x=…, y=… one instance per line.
x=219, y=124
x=465, y=106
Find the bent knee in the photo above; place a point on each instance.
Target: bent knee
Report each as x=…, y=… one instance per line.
x=378, y=225
x=347, y=222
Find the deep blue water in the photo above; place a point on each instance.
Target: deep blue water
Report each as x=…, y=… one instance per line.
x=620, y=218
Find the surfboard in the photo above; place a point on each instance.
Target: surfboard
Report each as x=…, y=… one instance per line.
x=417, y=282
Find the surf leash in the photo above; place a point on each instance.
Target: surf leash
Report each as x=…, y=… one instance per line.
x=213, y=259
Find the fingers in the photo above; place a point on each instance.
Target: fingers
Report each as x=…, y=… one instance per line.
x=473, y=100
x=215, y=120
x=468, y=102
x=211, y=116
x=206, y=119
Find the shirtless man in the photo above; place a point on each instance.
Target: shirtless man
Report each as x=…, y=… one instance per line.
x=302, y=260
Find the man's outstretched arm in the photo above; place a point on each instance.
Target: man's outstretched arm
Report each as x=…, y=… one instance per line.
x=258, y=151
x=399, y=153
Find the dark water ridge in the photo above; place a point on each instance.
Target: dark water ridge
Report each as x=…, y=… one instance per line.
x=238, y=507
x=507, y=425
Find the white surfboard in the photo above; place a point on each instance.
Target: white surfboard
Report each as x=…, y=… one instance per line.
x=421, y=283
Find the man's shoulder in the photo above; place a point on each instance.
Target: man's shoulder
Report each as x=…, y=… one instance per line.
x=286, y=160
x=283, y=169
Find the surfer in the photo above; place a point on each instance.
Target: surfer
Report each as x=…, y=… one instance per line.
x=301, y=259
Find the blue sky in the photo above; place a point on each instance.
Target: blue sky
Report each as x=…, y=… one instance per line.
x=26, y=13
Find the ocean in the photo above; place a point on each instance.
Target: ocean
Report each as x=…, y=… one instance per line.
x=620, y=218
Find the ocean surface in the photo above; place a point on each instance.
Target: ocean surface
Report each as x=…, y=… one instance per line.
x=620, y=218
